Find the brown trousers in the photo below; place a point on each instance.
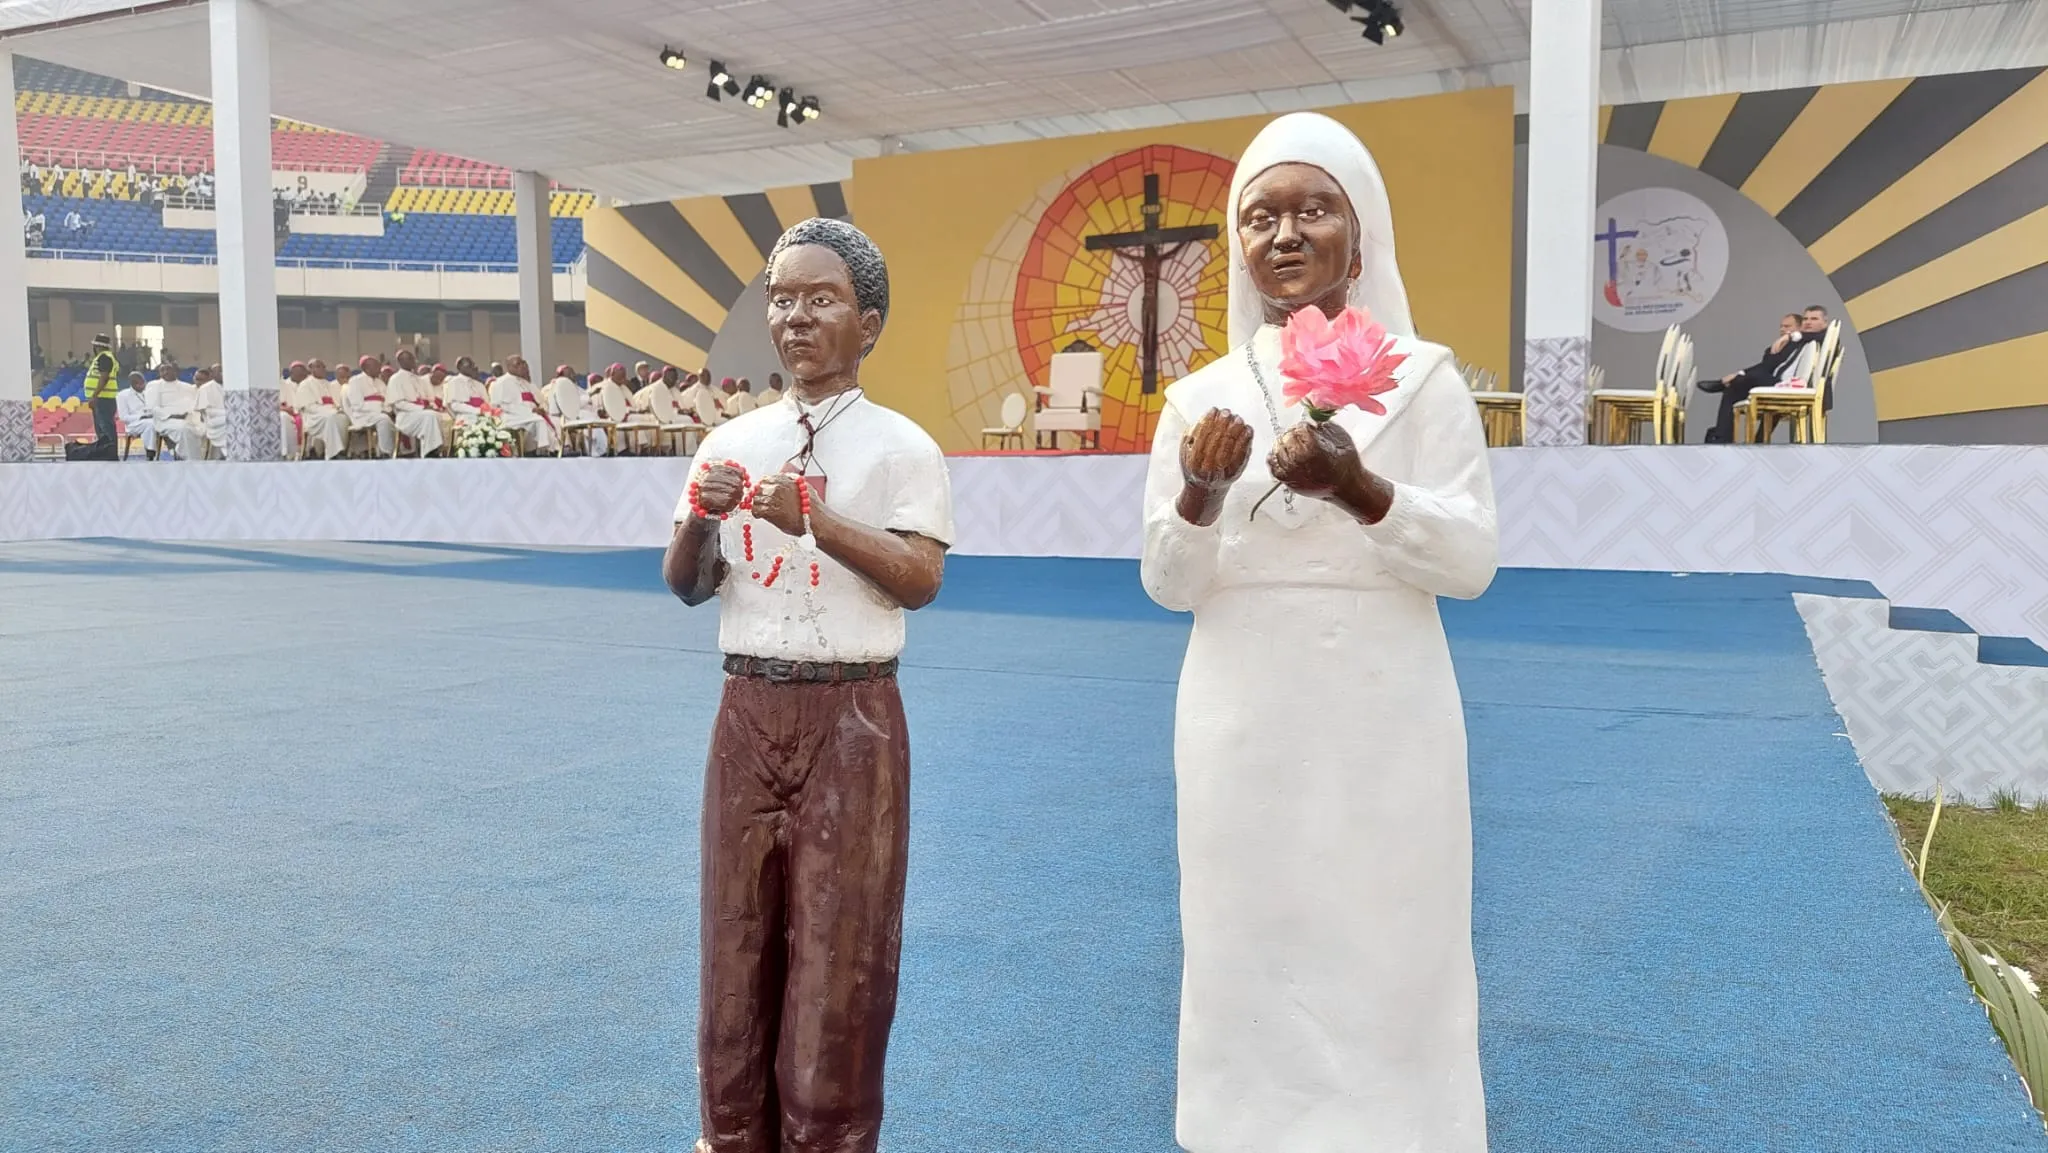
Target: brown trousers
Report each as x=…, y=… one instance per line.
x=806, y=839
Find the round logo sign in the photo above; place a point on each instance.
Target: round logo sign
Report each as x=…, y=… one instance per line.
x=1659, y=256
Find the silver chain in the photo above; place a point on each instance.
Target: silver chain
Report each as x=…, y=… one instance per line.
x=1251, y=357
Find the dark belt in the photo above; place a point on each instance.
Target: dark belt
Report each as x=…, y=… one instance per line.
x=807, y=672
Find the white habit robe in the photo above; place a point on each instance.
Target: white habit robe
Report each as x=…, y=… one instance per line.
x=320, y=410
x=465, y=397
x=132, y=408
x=612, y=402
x=568, y=402
x=289, y=426
x=407, y=401
x=171, y=404
x=212, y=414
x=1329, y=1002
x=367, y=406
x=738, y=404
x=523, y=411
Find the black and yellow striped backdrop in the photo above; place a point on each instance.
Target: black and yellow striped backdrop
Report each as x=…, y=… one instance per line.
x=663, y=276
x=1924, y=200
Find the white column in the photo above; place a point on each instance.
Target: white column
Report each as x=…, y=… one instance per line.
x=536, y=273
x=245, y=228
x=17, y=387
x=1564, y=118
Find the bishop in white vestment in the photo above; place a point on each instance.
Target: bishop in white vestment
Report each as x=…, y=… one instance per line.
x=363, y=399
x=1329, y=1002
x=320, y=412
x=512, y=392
x=415, y=406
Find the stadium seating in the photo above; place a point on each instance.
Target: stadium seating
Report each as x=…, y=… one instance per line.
x=420, y=239
x=447, y=209
x=32, y=75
x=435, y=169
x=480, y=202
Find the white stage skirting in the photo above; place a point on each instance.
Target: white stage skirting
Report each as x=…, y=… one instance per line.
x=1935, y=526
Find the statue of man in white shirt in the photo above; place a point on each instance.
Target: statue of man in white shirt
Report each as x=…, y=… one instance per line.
x=816, y=523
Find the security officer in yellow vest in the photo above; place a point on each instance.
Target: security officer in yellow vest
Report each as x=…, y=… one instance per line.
x=102, y=393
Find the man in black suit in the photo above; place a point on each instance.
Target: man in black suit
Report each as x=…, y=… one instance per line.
x=1795, y=331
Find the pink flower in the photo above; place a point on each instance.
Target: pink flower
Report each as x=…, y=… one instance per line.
x=1330, y=365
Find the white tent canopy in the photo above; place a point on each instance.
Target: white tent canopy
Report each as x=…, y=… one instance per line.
x=573, y=88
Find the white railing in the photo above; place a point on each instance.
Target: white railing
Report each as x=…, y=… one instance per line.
x=72, y=159
x=299, y=208
x=95, y=256
x=485, y=178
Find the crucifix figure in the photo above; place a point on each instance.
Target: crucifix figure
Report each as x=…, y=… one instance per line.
x=1158, y=245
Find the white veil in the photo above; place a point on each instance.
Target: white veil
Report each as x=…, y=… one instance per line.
x=1312, y=138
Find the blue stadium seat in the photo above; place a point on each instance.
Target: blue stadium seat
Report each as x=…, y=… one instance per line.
x=422, y=239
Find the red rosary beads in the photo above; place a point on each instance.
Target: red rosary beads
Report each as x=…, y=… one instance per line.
x=803, y=504
x=697, y=504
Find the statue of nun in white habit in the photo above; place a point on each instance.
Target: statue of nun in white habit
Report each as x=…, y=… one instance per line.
x=1328, y=1001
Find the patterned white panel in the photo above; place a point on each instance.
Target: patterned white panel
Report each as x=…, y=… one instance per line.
x=1962, y=528
x=1919, y=707
x=253, y=430
x=1554, y=373
x=17, y=430
x=1081, y=506
x=1932, y=526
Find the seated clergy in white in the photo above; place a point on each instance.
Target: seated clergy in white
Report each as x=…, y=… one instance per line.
x=693, y=387
x=290, y=424
x=566, y=400
x=171, y=402
x=612, y=397
x=524, y=413
x=324, y=424
x=210, y=410
x=738, y=399
x=415, y=407
x=363, y=399
x=463, y=393
x=131, y=408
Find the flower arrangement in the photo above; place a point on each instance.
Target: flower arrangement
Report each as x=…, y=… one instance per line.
x=485, y=435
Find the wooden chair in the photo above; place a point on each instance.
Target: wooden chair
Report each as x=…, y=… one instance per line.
x=1803, y=405
x=1016, y=410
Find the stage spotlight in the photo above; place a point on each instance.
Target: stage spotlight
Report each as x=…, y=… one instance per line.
x=1382, y=21
x=758, y=92
x=670, y=58
x=785, y=107
x=809, y=109
x=721, y=82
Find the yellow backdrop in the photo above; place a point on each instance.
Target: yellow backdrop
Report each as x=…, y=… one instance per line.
x=961, y=230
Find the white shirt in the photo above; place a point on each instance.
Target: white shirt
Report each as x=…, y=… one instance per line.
x=881, y=470
x=738, y=404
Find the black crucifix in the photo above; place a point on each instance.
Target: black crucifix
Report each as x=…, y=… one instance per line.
x=1155, y=241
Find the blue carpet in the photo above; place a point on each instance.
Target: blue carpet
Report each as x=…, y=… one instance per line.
x=386, y=847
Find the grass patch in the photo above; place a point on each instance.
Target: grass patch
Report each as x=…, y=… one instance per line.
x=1990, y=867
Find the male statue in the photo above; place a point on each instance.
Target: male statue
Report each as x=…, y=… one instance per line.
x=816, y=523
